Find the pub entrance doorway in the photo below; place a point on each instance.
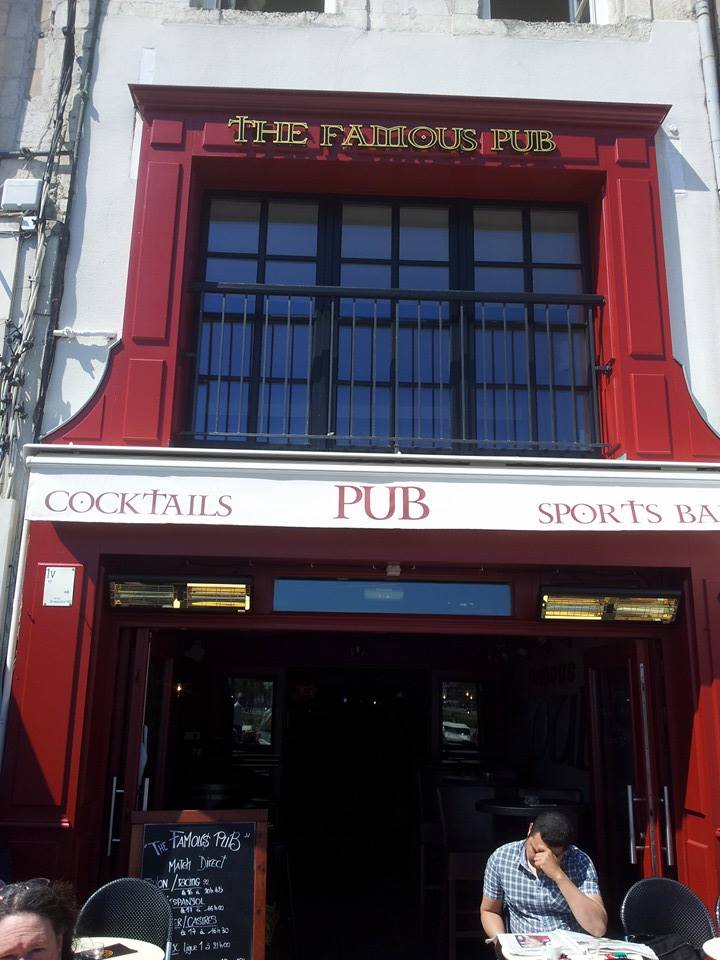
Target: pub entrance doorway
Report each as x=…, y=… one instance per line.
x=340, y=735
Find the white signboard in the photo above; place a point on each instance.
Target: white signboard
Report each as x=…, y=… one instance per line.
x=358, y=495
x=59, y=586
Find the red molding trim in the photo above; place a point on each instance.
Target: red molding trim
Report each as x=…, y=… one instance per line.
x=150, y=99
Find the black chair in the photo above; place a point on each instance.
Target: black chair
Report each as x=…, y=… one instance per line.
x=468, y=839
x=128, y=907
x=657, y=906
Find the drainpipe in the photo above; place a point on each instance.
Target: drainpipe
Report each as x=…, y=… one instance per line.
x=702, y=11
x=13, y=634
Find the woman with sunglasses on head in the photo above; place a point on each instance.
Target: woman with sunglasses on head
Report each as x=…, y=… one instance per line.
x=37, y=919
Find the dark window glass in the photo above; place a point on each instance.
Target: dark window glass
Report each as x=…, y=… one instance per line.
x=401, y=596
x=366, y=231
x=292, y=229
x=402, y=364
x=555, y=236
x=459, y=707
x=498, y=234
x=424, y=233
x=252, y=714
x=531, y=10
x=234, y=226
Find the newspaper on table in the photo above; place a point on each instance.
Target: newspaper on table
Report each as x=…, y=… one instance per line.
x=558, y=944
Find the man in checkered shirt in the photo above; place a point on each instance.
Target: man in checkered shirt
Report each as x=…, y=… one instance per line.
x=543, y=882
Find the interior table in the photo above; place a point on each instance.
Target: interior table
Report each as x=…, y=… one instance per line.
x=120, y=947
x=512, y=809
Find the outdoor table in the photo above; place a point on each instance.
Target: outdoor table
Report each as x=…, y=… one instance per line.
x=133, y=949
x=711, y=948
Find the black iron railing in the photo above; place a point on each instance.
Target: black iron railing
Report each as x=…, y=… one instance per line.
x=395, y=370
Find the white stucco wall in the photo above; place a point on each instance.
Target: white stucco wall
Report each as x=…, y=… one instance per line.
x=412, y=46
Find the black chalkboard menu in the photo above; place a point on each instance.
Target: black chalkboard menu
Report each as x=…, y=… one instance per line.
x=210, y=864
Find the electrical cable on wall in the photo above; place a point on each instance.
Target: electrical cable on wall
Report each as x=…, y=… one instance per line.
x=19, y=337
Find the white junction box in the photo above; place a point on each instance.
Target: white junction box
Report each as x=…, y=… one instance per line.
x=21, y=194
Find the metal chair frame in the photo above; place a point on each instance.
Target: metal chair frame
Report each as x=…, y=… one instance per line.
x=659, y=905
x=128, y=907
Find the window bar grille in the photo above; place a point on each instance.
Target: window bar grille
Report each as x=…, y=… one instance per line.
x=289, y=347
x=417, y=423
x=198, y=360
x=330, y=422
x=229, y=381
x=422, y=396
x=593, y=362
x=263, y=377
x=531, y=393
x=483, y=342
x=219, y=379
x=463, y=402
x=514, y=392
x=210, y=395
x=312, y=309
x=396, y=375
x=532, y=379
x=373, y=376
x=507, y=376
x=243, y=355
x=573, y=392
x=438, y=377
x=351, y=391
x=551, y=375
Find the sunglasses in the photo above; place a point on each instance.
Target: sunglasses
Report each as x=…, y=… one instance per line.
x=8, y=889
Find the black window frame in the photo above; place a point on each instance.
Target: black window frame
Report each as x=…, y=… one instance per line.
x=461, y=264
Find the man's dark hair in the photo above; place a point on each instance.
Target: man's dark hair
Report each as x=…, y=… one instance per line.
x=50, y=901
x=556, y=827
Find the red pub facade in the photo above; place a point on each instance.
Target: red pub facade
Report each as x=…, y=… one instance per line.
x=400, y=368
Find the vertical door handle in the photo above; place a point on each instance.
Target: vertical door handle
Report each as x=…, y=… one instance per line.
x=114, y=792
x=631, y=824
x=146, y=793
x=669, y=844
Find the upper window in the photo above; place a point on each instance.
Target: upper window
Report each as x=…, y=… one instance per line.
x=265, y=6
x=568, y=11
x=445, y=327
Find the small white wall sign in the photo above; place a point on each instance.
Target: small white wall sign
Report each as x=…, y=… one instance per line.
x=59, y=586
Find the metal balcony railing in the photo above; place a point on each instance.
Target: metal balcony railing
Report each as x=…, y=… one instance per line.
x=395, y=370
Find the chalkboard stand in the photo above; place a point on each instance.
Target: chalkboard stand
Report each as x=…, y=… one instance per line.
x=145, y=818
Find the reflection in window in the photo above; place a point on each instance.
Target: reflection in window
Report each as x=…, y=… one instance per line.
x=361, y=367
x=252, y=713
x=399, y=596
x=459, y=715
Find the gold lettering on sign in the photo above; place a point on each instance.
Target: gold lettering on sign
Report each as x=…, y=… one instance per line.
x=545, y=141
x=282, y=132
x=329, y=132
x=422, y=138
x=355, y=137
x=239, y=122
x=469, y=141
x=388, y=137
x=522, y=141
x=296, y=133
